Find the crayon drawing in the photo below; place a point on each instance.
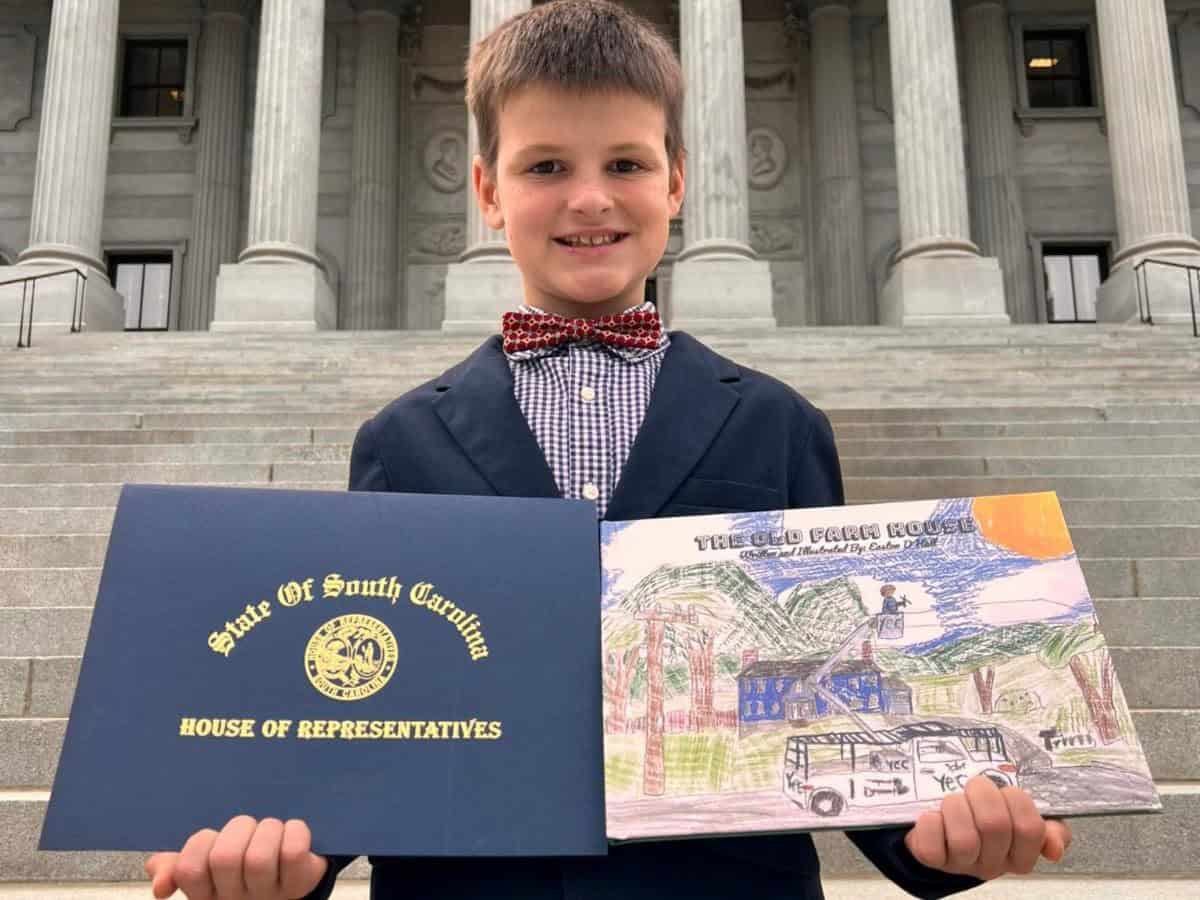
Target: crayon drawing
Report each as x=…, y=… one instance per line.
x=849, y=667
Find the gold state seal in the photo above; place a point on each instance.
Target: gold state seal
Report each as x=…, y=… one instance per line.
x=350, y=657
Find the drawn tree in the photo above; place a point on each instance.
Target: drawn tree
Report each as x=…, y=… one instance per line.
x=700, y=676
x=619, y=667
x=983, y=685
x=682, y=612
x=1070, y=647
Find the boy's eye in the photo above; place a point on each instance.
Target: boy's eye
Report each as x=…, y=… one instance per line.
x=545, y=167
x=627, y=166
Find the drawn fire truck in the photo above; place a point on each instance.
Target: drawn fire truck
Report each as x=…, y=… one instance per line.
x=912, y=762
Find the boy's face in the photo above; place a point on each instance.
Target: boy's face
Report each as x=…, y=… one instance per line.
x=574, y=166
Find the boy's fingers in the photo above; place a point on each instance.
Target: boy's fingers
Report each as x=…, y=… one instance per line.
x=300, y=870
x=1029, y=830
x=262, y=858
x=161, y=867
x=926, y=840
x=191, y=868
x=993, y=823
x=227, y=857
x=1058, y=839
x=962, y=834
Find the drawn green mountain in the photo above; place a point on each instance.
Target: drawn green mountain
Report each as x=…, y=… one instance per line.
x=969, y=653
x=807, y=621
x=820, y=616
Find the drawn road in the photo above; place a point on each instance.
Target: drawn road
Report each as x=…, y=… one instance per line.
x=772, y=811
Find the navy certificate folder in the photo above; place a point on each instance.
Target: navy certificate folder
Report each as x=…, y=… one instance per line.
x=412, y=675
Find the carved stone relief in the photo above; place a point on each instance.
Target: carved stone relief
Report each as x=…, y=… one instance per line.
x=17, y=46
x=768, y=158
x=447, y=239
x=445, y=161
x=439, y=84
x=773, y=237
x=766, y=81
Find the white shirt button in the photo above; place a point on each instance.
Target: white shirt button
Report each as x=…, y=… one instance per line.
x=587, y=394
x=590, y=491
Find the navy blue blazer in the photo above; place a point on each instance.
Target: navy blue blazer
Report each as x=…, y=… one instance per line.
x=717, y=437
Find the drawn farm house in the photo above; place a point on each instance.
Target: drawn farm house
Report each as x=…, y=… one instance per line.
x=783, y=690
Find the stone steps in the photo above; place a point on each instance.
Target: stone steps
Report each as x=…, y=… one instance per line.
x=106, y=493
x=337, y=414
x=1107, y=417
x=1078, y=513
x=304, y=447
x=27, y=551
x=886, y=489
x=68, y=437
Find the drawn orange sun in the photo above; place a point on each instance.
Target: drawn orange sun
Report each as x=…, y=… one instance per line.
x=1029, y=524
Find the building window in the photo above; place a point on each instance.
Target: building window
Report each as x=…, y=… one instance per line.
x=154, y=78
x=1058, y=73
x=1072, y=275
x=144, y=281
x=1056, y=68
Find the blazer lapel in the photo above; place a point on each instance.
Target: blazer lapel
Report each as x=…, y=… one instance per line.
x=477, y=405
x=690, y=404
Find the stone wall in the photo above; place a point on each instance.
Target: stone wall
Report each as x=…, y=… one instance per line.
x=1064, y=169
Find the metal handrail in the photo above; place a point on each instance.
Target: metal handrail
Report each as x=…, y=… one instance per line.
x=1143, y=288
x=29, y=292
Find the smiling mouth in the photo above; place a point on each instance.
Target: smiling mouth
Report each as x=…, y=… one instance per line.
x=596, y=240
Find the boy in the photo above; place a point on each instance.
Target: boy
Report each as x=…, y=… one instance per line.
x=578, y=106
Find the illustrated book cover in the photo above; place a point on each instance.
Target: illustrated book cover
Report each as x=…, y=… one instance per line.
x=849, y=667
x=400, y=671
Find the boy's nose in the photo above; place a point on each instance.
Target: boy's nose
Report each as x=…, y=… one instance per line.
x=590, y=199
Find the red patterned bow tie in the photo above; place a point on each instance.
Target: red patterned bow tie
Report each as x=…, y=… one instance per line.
x=536, y=331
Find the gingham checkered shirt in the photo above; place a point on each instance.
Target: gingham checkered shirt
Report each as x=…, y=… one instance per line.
x=584, y=403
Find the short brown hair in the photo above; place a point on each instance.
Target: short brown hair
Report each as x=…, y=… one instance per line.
x=576, y=45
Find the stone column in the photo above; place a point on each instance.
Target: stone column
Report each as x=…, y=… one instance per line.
x=939, y=276
x=717, y=281
x=370, y=295
x=840, y=257
x=278, y=282
x=997, y=214
x=216, y=209
x=72, y=168
x=485, y=281
x=1149, y=179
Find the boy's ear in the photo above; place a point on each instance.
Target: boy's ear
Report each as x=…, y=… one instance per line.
x=675, y=190
x=486, y=194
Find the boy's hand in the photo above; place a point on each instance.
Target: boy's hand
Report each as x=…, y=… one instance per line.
x=246, y=860
x=987, y=832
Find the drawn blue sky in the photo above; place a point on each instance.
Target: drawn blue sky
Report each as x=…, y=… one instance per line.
x=952, y=574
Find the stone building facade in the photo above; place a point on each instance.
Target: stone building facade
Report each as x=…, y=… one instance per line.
x=304, y=163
